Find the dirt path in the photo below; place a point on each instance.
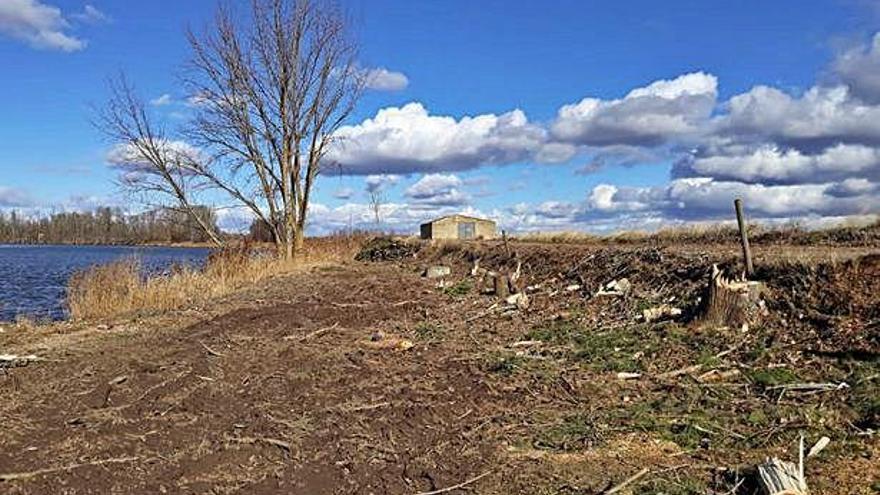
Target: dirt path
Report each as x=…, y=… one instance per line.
x=361, y=379
x=291, y=396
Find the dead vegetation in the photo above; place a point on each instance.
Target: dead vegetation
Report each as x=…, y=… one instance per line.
x=655, y=341
x=790, y=234
x=123, y=288
x=371, y=377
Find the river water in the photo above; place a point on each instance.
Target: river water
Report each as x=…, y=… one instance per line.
x=33, y=279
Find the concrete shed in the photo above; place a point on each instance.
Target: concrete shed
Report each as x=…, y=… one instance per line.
x=458, y=227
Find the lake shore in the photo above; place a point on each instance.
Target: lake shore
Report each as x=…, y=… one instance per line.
x=301, y=380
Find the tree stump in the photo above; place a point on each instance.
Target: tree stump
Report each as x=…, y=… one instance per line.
x=502, y=286
x=781, y=478
x=731, y=302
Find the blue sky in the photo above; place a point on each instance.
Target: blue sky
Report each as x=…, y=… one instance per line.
x=748, y=108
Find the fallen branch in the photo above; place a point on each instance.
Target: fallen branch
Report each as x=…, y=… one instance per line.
x=40, y=472
x=313, y=334
x=404, y=303
x=366, y=407
x=13, y=360
x=350, y=305
x=632, y=479
x=526, y=343
x=808, y=387
x=491, y=309
x=460, y=485
x=681, y=371
x=211, y=351
x=271, y=441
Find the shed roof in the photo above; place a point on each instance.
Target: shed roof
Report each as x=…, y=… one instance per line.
x=465, y=217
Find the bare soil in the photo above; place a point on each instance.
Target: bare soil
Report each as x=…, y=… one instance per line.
x=366, y=378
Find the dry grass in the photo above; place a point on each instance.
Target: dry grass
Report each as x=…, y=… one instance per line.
x=121, y=288
x=721, y=233
x=702, y=233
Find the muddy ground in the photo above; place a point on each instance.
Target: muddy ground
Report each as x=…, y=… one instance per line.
x=366, y=378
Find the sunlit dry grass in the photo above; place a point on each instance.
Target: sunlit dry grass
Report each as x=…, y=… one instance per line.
x=726, y=232
x=121, y=288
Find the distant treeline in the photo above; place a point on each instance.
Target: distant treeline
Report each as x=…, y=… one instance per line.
x=105, y=226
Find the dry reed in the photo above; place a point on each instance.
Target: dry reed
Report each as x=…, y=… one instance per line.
x=121, y=288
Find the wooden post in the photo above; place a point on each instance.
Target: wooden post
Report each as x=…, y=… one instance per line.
x=506, y=246
x=744, y=237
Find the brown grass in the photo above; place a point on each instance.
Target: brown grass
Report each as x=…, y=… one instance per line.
x=120, y=288
x=793, y=233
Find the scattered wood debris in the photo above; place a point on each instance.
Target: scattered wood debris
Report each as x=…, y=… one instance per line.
x=664, y=311
x=436, y=271
x=620, y=287
x=14, y=360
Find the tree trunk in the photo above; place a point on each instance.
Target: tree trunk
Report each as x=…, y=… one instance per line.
x=732, y=303
x=298, y=241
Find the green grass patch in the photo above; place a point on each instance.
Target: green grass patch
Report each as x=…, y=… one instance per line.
x=428, y=331
x=679, y=486
x=459, y=289
x=615, y=349
x=558, y=332
x=504, y=365
x=771, y=377
x=572, y=433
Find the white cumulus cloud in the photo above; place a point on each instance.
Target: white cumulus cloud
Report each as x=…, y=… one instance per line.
x=771, y=163
x=378, y=182
x=38, y=24
x=381, y=79
x=438, y=189
x=859, y=69
x=647, y=116
x=823, y=116
x=162, y=100
x=91, y=15
x=11, y=197
x=409, y=139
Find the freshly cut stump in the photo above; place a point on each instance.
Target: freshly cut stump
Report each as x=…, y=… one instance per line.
x=731, y=302
x=781, y=478
x=502, y=286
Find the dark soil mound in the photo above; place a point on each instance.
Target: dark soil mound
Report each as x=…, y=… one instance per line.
x=387, y=249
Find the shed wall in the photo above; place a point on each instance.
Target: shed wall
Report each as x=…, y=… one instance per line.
x=448, y=228
x=485, y=229
x=425, y=230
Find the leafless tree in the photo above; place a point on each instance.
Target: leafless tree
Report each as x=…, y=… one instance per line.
x=268, y=92
x=271, y=93
x=377, y=198
x=154, y=166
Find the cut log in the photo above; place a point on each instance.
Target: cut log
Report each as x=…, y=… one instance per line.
x=731, y=302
